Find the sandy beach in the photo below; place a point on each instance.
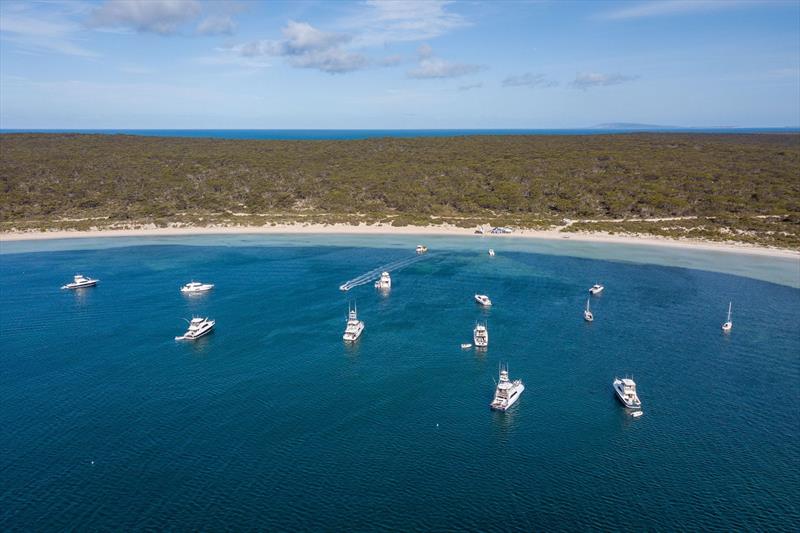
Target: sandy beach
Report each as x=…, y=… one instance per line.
x=382, y=229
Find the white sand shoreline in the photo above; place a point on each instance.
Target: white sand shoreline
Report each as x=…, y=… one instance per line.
x=379, y=229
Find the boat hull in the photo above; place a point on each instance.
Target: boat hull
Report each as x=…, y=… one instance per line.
x=196, y=336
x=73, y=286
x=511, y=401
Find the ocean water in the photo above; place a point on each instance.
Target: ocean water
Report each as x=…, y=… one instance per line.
x=272, y=422
x=332, y=134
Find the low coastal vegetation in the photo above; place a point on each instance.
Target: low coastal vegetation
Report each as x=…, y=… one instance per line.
x=743, y=188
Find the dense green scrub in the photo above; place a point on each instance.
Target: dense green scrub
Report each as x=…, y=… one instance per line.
x=530, y=181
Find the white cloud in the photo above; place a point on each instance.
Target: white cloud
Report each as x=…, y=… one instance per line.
x=307, y=47
x=672, y=7
x=529, y=80
x=430, y=66
x=38, y=34
x=156, y=16
x=216, y=25
x=586, y=80
x=384, y=21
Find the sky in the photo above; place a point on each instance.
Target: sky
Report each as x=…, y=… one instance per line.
x=394, y=64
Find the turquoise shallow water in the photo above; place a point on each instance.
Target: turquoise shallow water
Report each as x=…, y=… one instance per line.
x=273, y=422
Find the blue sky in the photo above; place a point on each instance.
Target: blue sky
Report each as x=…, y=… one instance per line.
x=398, y=64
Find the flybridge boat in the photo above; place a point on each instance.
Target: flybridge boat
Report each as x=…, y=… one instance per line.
x=480, y=336
x=507, y=391
x=483, y=300
x=626, y=393
x=385, y=282
x=587, y=313
x=354, y=326
x=196, y=286
x=728, y=325
x=198, y=327
x=421, y=249
x=79, y=282
x=596, y=289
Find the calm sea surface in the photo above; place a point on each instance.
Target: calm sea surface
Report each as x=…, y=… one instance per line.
x=367, y=134
x=272, y=422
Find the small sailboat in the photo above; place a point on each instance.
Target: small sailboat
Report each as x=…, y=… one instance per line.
x=728, y=325
x=587, y=313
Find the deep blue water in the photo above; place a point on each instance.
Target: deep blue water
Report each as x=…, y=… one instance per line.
x=272, y=422
x=367, y=134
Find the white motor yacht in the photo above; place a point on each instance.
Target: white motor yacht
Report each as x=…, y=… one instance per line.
x=625, y=389
x=196, y=286
x=385, y=282
x=421, y=249
x=198, y=327
x=491, y=252
x=354, y=326
x=728, y=325
x=507, y=392
x=483, y=300
x=79, y=282
x=587, y=313
x=480, y=336
x=596, y=289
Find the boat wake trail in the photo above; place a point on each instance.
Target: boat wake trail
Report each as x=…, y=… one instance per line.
x=375, y=273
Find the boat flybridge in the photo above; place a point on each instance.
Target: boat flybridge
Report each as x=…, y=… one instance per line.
x=421, y=249
x=385, y=282
x=80, y=282
x=354, y=326
x=587, y=313
x=196, y=286
x=483, y=300
x=198, y=327
x=596, y=289
x=507, y=391
x=480, y=335
x=728, y=325
x=625, y=389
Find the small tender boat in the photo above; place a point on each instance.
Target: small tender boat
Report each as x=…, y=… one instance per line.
x=196, y=286
x=596, y=289
x=198, y=327
x=421, y=249
x=491, y=252
x=385, y=282
x=344, y=288
x=354, y=326
x=80, y=282
x=636, y=414
x=728, y=325
x=507, y=391
x=626, y=393
x=480, y=336
x=587, y=313
x=483, y=300
x=465, y=345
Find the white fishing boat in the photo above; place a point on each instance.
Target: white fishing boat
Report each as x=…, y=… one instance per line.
x=596, y=289
x=80, y=282
x=385, y=282
x=728, y=325
x=491, y=252
x=198, y=327
x=480, y=335
x=421, y=249
x=354, y=326
x=507, y=391
x=625, y=389
x=466, y=345
x=587, y=313
x=196, y=286
x=483, y=300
